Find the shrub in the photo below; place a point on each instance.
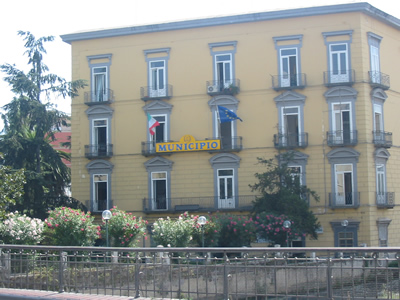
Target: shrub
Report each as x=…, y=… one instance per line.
x=124, y=229
x=173, y=232
x=211, y=232
x=71, y=227
x=21, y=229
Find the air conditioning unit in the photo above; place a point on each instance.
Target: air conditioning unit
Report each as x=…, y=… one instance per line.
x=213, y=89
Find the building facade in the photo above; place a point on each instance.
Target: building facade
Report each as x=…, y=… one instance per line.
x=322, y=82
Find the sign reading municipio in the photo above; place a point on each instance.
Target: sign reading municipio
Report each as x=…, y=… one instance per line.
x=188, y=143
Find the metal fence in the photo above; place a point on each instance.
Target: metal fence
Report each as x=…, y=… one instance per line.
x=218, y=273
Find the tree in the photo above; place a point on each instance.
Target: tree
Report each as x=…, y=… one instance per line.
x=282, y=194
x=11, y=187
x=30, y=121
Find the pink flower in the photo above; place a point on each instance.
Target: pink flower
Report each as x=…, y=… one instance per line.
x=82, y=229
x=56, y=225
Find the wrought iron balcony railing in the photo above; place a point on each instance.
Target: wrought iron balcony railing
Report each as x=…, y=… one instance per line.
x=228, y=144
x=105, y=96
x=343, y=77
x=227, y=87
x=344, y=200
x=98, y=150
x=211, y=203
x=156, y=92
x=289, y=82
x=98, y=206
x=385, y=199
x=382, y=139
x=378, y=79
x=291, y=140
x=342, y=138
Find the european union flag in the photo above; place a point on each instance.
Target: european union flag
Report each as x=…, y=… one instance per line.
x=226, y=115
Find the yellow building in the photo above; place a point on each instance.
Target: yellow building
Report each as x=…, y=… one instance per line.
x=320, y=81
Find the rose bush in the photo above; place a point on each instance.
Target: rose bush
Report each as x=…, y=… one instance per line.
x=21, y=230
x=173, y=232
x=71, y=227
x=124, y=229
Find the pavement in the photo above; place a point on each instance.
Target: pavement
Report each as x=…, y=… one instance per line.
x=12, y=294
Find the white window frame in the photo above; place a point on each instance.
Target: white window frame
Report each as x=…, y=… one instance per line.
x=226, y=82
x=100, y=97
x=158, y=88
x=339, y=130
x=97, y=148
x=95, y=203
x=286, y=77
x=341, y=199
x=153, y=196
x=340, y=71
x=284, y=129
x=226, y=202
x=381, y=183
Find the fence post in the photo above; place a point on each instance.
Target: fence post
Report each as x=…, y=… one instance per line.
x=226, y=277
x=329, y=278
x=62, y=266
x=137, y=274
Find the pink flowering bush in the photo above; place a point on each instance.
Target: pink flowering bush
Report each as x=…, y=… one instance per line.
x=71, y=227
x=124, y=229
x=270, y=227
x=211, y=232
x=21, y=230
x=173, y=232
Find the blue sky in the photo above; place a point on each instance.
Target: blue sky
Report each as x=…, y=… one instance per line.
x=55, y=17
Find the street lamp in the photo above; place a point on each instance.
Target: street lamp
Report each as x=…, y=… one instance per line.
x=106, y=215
x=344, y=224
x=287, y=225
x=202, y=221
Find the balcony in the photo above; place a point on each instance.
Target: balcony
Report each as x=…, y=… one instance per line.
x=98, y=151
x=228, y=87
x=385, y=200
x=228, y=144
x=379, y=80
x=199, y=204
x=155, y=93
x=335, y=78
x=342, y=138
x=98, y=206
x=291, y=140
x=344, y=200
x=289, y=82
x=382, y=139
x=105, y=96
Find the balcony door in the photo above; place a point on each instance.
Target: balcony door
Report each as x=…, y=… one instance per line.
x=375, y=65
x=157, y=79
x=380, y=184
x=100, y=84
x=342, y=123
x=100, y=201
x=224, y=70
x=344, y=184
x=99, y=137
x=339, y=63
x=290, y=126
x=159, y=190
x=289, y=73
x=226, y=188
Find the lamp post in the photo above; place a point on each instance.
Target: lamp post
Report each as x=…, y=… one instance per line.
x=106, y=215
x=344, y=224
x=202, y=221
x=287, y=225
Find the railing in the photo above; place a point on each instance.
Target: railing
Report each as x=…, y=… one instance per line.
x=382, y=139
x=342, y=138
x=385, y=199
x=344, y=200
x=342, y=77
x=153, y=93
x=207, y=204
x=105, y=96
x=99, y=150
x=205, y=273
x=227, y=87
x=378, y=79
x=291, y=140
x=228, y=144
x=99, y=206
x=288, y=82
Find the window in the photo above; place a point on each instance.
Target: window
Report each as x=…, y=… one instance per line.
x=100, y=191
x=344, y=177
x=291, y=125
x=296, y=173
x=157, y=60
x=225, y=166
x=383, y=197
x=100, y=132
x=345, y=236
x=99, y=65
x=383, y=233
x=159, y=170
x=341, y=101
x=374, y=41
x=223, y=65
x=226, y=197
x=380, y=183
x=159, y=190
x=380, y=137
x=338, y=46
x=99, y=136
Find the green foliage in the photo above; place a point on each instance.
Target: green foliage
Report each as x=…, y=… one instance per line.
x=11, y=187
x=71, y=227
x=30, y=121
x=173, y=232
x=235, y=231
x=210, y=231
x=124, y=229
x=20, y=229
x=282, y=193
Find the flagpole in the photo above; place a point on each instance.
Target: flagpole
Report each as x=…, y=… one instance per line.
x=219, y=123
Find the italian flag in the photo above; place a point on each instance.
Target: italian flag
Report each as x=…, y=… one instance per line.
x=153, y=123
